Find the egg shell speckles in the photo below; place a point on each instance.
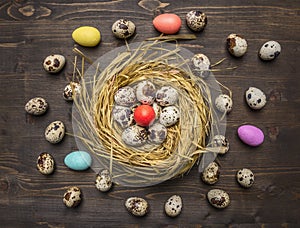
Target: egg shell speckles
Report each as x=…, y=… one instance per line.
x=173, y=206
x=135, y=136
x=157, y=133
x=55, y=132
x=36, y=106
x=145, y=92
x=221, y=142
x=211, y=173
x=245, y=177
x=125, y=96
x=251, y=135
x=123, y=116
x=167, y=23
x=218, y=198
x=54, y=63
x=236, y=45
x=103, y=181
x=45, y=163
x=78, y=160
x=166, y=96
x=87, y=36
x=255, y=98
x=137, y=206
x=72, y=197
x=73, y=88
x=169, y=116
x=224, y=103
x=123, y=28
x=196, y=20
x=269, y=50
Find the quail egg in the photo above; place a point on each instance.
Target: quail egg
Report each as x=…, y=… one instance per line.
x=269, y=50
x=236, y=45
x=218, y=198
x=72, y=197
x=173, y=206
x=221, y=142
x=123, y=116
x=54, y=63
x=196, y=20
x=123, y=28
x=245, y=177
x=145, y=92
x=36, y=106
x=137, y=206
x=157, y=133
x=73, y=88
x=166, y=96
x=55, y=132
x=125, y=96
x=201, y=65
x=103, y=181
x=255, y=98
x=224, y=103
x=135, y=136
x=169, y=116
x=45, y=163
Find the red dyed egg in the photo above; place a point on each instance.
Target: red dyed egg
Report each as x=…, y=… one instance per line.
x=144, y=115
x=167, y=23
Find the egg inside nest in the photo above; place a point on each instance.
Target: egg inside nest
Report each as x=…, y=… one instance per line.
x=145, y=111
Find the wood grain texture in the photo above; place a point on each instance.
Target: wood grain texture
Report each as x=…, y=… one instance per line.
x=31, y=30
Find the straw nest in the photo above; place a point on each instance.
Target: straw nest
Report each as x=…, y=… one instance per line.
x=100, y=135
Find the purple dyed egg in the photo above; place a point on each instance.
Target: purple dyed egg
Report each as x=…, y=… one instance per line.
x=251, y=135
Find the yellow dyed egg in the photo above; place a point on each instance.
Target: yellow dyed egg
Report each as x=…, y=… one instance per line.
x=86, y=36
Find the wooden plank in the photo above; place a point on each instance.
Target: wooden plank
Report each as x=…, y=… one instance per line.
x=32, y=30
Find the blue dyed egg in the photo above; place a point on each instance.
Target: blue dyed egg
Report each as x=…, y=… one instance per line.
x=78, y=160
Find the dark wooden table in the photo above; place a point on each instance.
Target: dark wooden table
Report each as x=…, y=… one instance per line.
x=31, y=30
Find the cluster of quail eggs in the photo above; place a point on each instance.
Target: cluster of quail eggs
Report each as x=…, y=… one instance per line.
x=145, y=112
x=139, y=206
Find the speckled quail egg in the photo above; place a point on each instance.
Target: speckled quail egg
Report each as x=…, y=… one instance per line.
x=169, y=116
x=45, y=163
x=125, y=96
x=221, y=142
x=36, y=106
x=269, y=50
x=196, y=20
x=73, y=88
x=55, y=132
x=255, y=98
x=123, y=28
x=166, y=96
x=236, y=45
x=72, y=197
x=135, y=136
x=145, y=92
x=201, y=65
x=157, y=133
x=173, y=206
x=211, y=173
x=224, y=103
x=54, y=63
x=218, y=198
x=103, y=181
x=137, y=206
x=123, y=116
x=245, y=177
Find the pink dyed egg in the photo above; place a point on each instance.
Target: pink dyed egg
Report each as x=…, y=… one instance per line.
x=251, y=135
x=167, y=23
